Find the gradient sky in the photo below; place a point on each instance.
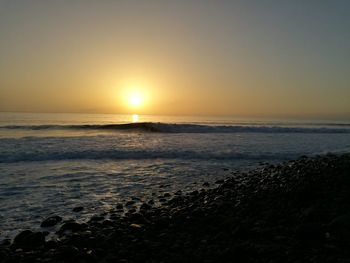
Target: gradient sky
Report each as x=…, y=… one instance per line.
x=240, y=58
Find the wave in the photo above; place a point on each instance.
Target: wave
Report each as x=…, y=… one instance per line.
x=140, y=155
x=183, y=128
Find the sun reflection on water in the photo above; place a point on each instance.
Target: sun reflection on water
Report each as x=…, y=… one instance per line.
x=135, y=118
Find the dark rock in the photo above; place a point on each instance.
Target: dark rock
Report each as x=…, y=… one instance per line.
x=72, y=226
x=136, y=226
x=340, y=226
x=51, y=221
x=206, y=184
x=5, y=243
x=97, y=218
x=78, y=209
x=167, y=195
x=311, y=232
x=66, y=252
x=131, y=202
x=19, y=238
x=119, y=206
x=4, y=253
x=145, y=206
x=107, y=222
x=51, y=244
x=29, y=239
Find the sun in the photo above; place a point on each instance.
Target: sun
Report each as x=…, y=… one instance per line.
x=135, y=99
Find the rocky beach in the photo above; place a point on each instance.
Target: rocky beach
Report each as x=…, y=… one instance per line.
x=297, y=211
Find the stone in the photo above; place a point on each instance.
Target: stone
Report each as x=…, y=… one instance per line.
x=66, y=252
x=136, y=226
x=72, y=226
x=51, y=221
x=29, y=239
x=97, y=218
x=19, y=238
x=145, y=206
x=340, y=226
x=219, y=181
x=78, y=209
x=131, y=202
x=119, y=206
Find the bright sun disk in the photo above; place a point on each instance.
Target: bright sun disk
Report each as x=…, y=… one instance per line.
x=135, y=99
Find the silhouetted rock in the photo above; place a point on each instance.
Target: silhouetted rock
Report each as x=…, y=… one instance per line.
x=51, y=221
x=72, y=226
x=119, y=206
x=28, y=239
x=78, y=209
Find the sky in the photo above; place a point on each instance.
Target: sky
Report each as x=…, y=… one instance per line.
x=230, y=58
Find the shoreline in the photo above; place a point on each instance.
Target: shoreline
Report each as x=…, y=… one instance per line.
x=292, y=212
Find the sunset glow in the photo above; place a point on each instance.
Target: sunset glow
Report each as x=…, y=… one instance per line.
x=135, y=99
x=216, y=60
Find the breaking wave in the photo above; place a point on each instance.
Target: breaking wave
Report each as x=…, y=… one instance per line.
x=184, y=128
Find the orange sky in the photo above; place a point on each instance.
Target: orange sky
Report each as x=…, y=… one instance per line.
x=185, y=58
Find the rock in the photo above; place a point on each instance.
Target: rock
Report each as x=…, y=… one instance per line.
x=5, y=243
x=131, y=202
x=19, y=238
x=78, y=209
x=135, y=226
x=107, y=222
x=66, y=252
x=72, y=226
x=206, y=184
x=97, y=218
x=310, y=231
x=194, y=193
x=145, y=206
x=51, y=244
x=340, y=226
x=137, y=218
x=4, y=253
x=51, y=221
x=132, y=210
x=29, y=239
x=119, y=206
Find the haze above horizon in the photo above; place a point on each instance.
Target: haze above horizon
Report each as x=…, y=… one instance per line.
x=247, y=58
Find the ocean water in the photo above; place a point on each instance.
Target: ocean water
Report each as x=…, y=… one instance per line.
x=51, y=163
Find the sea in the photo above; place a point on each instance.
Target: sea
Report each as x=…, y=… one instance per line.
x=51, y=163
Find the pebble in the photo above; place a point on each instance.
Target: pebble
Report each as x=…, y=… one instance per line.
x=131, y=202
x=78, y=209
x=51, y=221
